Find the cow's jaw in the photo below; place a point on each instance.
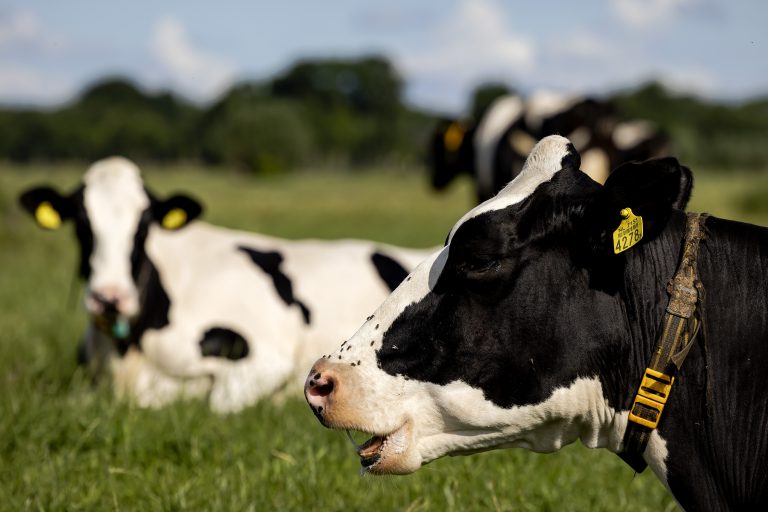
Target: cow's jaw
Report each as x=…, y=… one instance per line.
x=389, y=453
x=412, y=423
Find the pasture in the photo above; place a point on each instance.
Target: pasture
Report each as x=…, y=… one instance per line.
x=67, y=445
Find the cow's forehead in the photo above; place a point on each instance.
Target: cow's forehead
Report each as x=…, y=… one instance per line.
x=114, y=182
x=545, y=160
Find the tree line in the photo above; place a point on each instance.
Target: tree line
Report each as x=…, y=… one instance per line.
x=319, y=112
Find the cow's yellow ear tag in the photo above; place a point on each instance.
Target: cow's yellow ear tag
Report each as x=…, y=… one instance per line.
x=629, y=232
x=47, y=217
x=453, y=137
x=174, y=219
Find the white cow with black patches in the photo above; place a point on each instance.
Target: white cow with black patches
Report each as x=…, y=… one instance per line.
x=526, y=330
x=494, y=149
x=194, y=309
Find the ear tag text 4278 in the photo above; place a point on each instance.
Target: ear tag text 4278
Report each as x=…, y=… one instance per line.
x=629, y=232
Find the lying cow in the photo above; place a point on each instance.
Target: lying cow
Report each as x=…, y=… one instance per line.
x=526, y=330
x=194, y=308
x=493, y=150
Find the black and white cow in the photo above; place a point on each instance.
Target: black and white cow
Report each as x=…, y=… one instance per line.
x=195, y=308
x=494, y=149
x=526, y=330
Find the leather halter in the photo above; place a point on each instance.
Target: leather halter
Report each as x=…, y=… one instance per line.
x=682, y=321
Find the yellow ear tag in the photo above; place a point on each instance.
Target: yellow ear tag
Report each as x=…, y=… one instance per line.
x=453, y=137
x=47, y=217
x=629, y=232
x=174, y=219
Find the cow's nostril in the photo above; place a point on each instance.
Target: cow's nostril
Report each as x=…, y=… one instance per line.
x=321, y=390
x=320, y=386
x=107, y=302
x=318, y=391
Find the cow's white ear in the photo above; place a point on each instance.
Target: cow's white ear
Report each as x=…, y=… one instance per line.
x=177, y=211
x=49, y=208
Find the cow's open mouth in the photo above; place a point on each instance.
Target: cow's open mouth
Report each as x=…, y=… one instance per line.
x=379, y=447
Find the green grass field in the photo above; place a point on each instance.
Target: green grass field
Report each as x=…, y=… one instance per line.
x=65, y=445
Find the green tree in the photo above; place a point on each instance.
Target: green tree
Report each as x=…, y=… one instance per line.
x=250, y=130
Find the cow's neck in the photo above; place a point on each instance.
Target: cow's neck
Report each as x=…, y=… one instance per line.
x=634, y=308
x=712, y=402
x=714, y=421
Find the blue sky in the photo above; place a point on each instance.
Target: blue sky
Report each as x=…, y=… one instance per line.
x=442, y=48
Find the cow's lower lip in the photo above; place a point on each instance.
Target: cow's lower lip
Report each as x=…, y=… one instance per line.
x=374, y=450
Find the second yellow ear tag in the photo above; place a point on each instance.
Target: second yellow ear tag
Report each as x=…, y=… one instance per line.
x=47, y=217
x=629, y=232
x=453, y=137
x=174, y=219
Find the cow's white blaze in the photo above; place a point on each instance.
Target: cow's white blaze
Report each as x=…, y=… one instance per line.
x=114, y=199
x=543, y=162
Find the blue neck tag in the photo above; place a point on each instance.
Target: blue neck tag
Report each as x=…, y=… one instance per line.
x=121, y=329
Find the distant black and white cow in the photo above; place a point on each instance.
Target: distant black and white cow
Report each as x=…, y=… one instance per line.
x=196, y=309
x=494, y=149
x=526, y=330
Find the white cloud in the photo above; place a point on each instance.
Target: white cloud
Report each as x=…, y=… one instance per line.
x=195, y=72
x=470, y=45
x=473, y=39
x=584, y=45
x=25, y=43
x=644, y=13
x=23, y=29
x=18, y=27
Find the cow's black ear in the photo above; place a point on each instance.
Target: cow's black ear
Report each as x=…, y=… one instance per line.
x=449, y=145
x=648, y=190
x=47, y=206
x=177, y=211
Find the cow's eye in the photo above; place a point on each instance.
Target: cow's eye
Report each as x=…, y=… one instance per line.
x=479, y=265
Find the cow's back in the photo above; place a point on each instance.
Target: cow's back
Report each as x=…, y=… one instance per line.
x=343, y=282
x=295, y=299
